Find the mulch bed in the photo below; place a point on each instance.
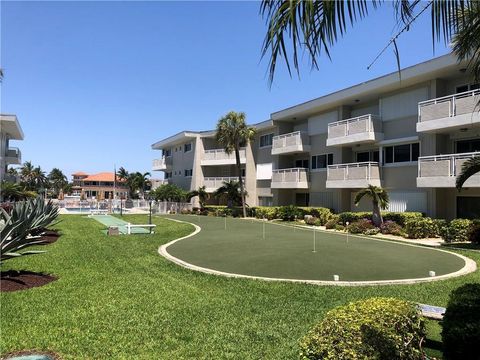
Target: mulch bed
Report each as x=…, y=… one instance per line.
x=14, y=280
x=50, y=236
x=50, y=354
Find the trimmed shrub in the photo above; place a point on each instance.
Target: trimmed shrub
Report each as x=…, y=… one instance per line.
x=391, y=227
x=333, y=222
x=456, y=231
x=420, y=228
x=321, y=213
x=461, y=324
x=377, y=328
x=339, y=227
x=474, y=234
x=401, y=218
x=267, y=212
x=440, y=225
x=351, y=217
x=373, y=231
x=289, y=213
x=311, y=220
x=360, y=226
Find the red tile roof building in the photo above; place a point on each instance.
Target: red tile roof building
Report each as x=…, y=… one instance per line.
x=101, y=185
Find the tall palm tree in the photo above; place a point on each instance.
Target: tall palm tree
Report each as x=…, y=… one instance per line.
x=314, y=26
x=122, y=174
x=232, y=134
x=469, y=168
x=379, y=198
x=142, y=181
x=26, y=174
x=232, y=191
x=40, y=180
x=58, y=180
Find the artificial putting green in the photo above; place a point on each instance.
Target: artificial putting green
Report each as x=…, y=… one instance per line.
x=287, y=253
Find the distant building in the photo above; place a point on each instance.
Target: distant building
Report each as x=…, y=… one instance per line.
x=9, y=130
x=101, y=185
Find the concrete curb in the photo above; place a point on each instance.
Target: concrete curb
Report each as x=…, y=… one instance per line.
x=470, y=266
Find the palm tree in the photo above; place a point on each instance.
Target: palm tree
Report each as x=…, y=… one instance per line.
x=232, y=134
x=26, y=174
x=14, y=192
x=142, y=181
x=379, y=198
x=122, y=174
x=315, y=26
x=202, y=194
x=233, y=192
x=469, y=168
x=58, y=180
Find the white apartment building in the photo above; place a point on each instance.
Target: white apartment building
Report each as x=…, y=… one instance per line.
x=410, y=136
x=9, y=155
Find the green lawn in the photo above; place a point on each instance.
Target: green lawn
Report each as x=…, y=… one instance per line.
x=116, y=298
x=287, y=252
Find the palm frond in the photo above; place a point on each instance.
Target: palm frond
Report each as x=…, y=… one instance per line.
x=469, y=168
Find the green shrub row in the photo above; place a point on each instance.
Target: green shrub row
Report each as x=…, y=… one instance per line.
x=400, y=218
x=377, y=328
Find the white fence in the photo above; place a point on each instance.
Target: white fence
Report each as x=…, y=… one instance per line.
x=114, y=206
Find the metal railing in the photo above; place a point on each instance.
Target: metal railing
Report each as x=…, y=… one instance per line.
x=215, y=182
x=354, y=171
x=356, y=125
x=220, y=154
x=290, y=139
x=293, y=175
x=448, y=106
x=159, y=164
x=443, y=165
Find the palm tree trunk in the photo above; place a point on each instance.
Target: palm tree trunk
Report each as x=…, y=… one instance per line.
x=377, y=215
x=240, y=180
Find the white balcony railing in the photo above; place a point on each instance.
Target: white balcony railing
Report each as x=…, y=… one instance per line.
x=293, y=142
x=14, y=156
x=441, y=170
x=449, y=111
x=220, y=157
x=159, y=164
x=353, y=175
x=294, y=178
x=213, y=183
x=365, y=128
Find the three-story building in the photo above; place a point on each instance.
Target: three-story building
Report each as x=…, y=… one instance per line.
x=410, y=136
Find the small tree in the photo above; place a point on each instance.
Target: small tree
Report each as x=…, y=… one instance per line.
x=379, y=198
x=232, y=134
x=232, y=191
x=469, y=168
x=202, y=194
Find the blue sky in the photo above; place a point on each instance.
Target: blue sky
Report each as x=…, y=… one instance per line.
x=96, y=83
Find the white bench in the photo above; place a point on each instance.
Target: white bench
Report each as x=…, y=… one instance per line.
x=130, y=226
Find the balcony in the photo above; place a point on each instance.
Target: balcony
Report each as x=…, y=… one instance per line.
x=295, y=178
x=357, y=130
x=440, y=171
x=220, y=157
x=161, y=164
x=353, y=176
x=449, y=112
x=213, y=183
x=291, y=143
x=13, y=156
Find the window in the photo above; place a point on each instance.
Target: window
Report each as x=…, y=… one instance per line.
x=402, y=153
x=301, y=163
x=466, y=146
x=466, y=87
x=266, y=140
x=188, y=172
x=168, y=175
x=321, y=161
x=243, y=172
x=187, y=147
x=365, y=156
x=265, y=201
x=167, y=152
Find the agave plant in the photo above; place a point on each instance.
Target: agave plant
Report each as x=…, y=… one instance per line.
x=24, y=227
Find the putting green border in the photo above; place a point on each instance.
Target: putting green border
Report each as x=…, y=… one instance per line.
x=470, y=265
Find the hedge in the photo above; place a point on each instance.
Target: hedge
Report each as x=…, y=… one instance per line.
x=377, y=328
x=421, y=228
x=461, y=324
x=400, y=218
x=458, y=230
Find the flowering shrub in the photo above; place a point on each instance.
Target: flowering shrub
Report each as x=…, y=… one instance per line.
x=360, y=226
x=391, y=227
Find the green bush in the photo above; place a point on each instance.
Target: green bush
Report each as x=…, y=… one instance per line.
x=474, y=234
x=360, y=226
x=373, y=231
x=339, y=227
x=333, y=222
x=440, y=225
x=267, y=212
x=322, y=214
x=458, y=230
x=351, y=217
x=420, y=228
x=461, y=324
x=401, y=218
x=377, y=328
x=289, y=213
x=311, y=220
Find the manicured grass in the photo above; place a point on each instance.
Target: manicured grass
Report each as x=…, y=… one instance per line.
x=286, y=252
x=116, y=298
